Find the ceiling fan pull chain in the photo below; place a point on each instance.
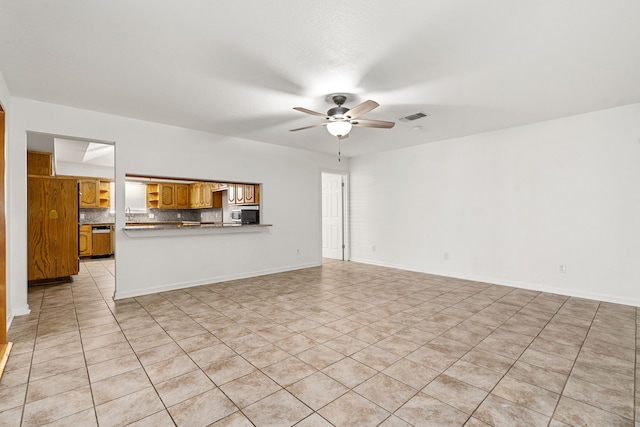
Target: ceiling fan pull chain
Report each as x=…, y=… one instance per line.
x=338, y=149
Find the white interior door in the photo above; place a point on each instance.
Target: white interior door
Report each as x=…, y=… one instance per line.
x=332, y=221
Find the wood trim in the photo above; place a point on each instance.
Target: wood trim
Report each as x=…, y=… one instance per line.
x=5, y=347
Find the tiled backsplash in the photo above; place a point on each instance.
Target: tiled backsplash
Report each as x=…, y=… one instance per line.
x=103, y=216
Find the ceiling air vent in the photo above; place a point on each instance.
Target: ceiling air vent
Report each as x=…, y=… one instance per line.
x=412, y=117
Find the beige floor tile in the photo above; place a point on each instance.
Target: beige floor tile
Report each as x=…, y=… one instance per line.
x=56, y=384
x=249, y=389
x=349, y=372
x=112, y=367
x=317, y=390
x=314, y=420
x=477, y=376
x=184, y=387
x=352, y=409
x=411, y=373
x=289, y=371
x=432, y=359
x=411, y=326
x=198, y=342
x=425, y=410
x=170, y=368
x=237, y=419
x=11, y=397
x=498, y=411
x=119, y=385
x=57, y=366
x=455, y=393
x=550, y=380
x=157, y=354
x=159, y=419
x=527, y=395
x=129, y=408
x=320, y=356
x=278, y=409
x=202, y=409
x=57, y=406
x=386, y=392
x=83, y=418
x=228, y=370
x=576, y=413
x=265, y=356
x=601, y=397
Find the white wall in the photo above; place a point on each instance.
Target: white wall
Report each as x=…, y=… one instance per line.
x=510, y=206
x=143, y=265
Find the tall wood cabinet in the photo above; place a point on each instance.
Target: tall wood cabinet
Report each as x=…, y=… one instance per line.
x=52, y=227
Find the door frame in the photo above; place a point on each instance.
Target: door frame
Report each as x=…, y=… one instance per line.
x=5, y=347
x=346, y=241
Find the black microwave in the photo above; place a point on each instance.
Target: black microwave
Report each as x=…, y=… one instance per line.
x=250, y=216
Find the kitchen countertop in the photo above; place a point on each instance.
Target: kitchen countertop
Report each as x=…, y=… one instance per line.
x=139, y=229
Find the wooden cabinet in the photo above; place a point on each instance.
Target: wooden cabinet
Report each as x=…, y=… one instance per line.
x=101, y=241
x=164, y=195
x=243, y=194
x=201, y=194
x=94, y=193
x=84, y=240
x=52, y=227
x=182, y=196
x=38, y=163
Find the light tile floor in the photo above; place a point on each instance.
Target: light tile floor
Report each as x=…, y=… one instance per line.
x=344, y=344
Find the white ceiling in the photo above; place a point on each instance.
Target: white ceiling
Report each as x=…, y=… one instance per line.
x=238, y=68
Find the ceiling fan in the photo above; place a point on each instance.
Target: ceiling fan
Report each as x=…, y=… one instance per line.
x=339, y=119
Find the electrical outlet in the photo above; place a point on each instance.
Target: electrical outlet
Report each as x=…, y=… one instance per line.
x=446, y=255
x=297, y=251
x=179, y=215
x=81, y=216
x=563, y=268
x=151, y=216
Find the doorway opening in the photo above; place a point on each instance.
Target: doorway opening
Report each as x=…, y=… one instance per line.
x=334, y=216
x=5, y=347
x=90, y=164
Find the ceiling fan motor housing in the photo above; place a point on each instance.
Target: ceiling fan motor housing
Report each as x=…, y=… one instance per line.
x=337, y=112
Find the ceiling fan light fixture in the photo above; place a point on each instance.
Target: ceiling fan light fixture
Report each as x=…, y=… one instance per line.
x=339, y=128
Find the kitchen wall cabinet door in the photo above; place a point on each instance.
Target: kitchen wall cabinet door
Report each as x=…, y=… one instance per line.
x=239, y=194
x=84, y=240
x=89, y=193
x=52, y=227
x=182, y=196
x=167, y=196
x=251, y=194
x=231, y=194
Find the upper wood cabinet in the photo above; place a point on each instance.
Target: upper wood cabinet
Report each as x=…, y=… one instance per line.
x=201, y=194
x=243, y=194
x=94, y=193
x=39, y=163
x=182, y=196
x=52, y=227
x=164, y=195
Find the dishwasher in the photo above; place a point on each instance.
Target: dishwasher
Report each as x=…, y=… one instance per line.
x=101, y=240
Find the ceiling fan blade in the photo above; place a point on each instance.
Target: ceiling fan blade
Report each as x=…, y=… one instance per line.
x=343, y=136
x=373, y=123
x=313, y=113
x=308, y=127
x=361, y=109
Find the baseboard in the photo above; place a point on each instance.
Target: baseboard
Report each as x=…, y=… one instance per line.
x=635, y=302
x=244, y=275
